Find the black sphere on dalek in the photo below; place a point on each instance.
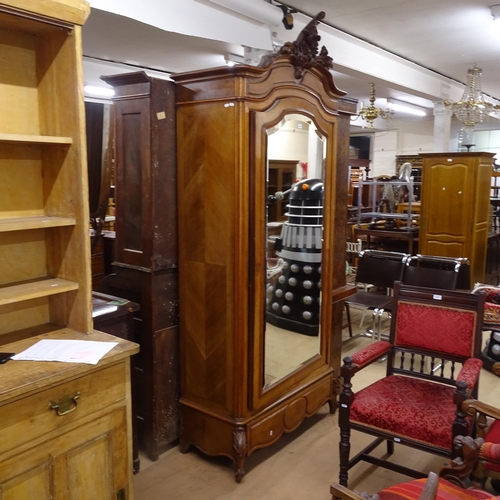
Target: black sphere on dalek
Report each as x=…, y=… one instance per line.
x=294, y=301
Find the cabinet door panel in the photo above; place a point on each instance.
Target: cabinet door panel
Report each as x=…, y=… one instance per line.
x=133, y=177
x=89, y=464
x=31, y=482
x=81, y=464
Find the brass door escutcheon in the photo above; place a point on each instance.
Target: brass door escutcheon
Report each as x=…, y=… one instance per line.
x=65, y=405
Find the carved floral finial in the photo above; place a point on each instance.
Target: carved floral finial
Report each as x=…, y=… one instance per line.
x=304, y=51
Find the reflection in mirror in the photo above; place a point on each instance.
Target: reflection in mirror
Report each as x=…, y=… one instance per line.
x=295, y=179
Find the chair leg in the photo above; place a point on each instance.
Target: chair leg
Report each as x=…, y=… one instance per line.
x=379, y=324
x=377, y=313
x=344, y=449
x=348, y=316
x=345, y=397
x=361, y=321
x=390, y=447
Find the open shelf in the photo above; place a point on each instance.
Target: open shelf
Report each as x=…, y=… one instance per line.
x=35, y=289
x=374, y=214
x=388, y=215
x=35, y=222
x=34, y=139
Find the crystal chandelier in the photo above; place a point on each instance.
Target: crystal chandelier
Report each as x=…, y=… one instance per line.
x=370, y=113
x=472, y=108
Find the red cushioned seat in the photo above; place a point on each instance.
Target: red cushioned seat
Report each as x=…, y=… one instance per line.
x=385, y=404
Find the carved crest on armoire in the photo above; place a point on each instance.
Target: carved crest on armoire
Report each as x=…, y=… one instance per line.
x=246, y=380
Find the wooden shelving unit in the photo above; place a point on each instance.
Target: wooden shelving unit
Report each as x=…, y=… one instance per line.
x=43, y=202
x=45, y=286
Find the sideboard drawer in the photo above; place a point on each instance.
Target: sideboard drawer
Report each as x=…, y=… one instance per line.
x=25, y=420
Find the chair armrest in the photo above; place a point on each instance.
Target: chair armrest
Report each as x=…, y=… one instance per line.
x=459, y=470
x=470, y=372
x=473, y=406
x=364, y=357
x=431, y=487
x=491, y=452
x=339, y=491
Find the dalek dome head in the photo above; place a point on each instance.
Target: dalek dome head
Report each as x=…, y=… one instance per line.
x=307, y=189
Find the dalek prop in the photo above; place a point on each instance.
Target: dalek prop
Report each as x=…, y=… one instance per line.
x=293, y=302
x=491, y=352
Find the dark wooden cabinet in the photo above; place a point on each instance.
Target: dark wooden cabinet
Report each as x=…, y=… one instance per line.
x=145, y=265
x=229, y=405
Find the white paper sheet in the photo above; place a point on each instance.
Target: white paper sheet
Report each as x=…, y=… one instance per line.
x=67, y=351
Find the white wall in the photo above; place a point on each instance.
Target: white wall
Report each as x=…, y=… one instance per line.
x=288, y=144
x=383, y=153
x=487, y=140
x=415, y=137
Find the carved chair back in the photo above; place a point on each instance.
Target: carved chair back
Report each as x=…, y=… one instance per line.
x=433, y=332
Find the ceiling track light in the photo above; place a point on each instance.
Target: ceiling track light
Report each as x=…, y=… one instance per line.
x=260, y=10
x=495, y=12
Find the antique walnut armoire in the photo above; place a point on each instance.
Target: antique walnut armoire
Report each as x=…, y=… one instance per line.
x=229, y=403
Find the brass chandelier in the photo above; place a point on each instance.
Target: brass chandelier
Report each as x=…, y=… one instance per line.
x=372, y=112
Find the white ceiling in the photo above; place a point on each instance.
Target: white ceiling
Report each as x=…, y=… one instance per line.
x=446, y=36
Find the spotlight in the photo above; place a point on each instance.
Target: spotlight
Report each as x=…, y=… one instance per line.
x=495, y=12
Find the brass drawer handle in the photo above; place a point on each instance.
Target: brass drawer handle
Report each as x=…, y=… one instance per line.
x=65, y=405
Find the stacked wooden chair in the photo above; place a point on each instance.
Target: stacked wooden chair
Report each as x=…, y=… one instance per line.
x=460, y=479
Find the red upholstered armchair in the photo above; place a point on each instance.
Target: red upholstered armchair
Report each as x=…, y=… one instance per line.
x=491, y=321
x=486, y=446
x=431, y=488
x=433, y=366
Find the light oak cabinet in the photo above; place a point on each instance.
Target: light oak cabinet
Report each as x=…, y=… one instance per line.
x=455, y=207
x=232, y=403
x=79, y=449
x=45, y=279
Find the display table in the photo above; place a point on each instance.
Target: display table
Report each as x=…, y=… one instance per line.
x=403, y=207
